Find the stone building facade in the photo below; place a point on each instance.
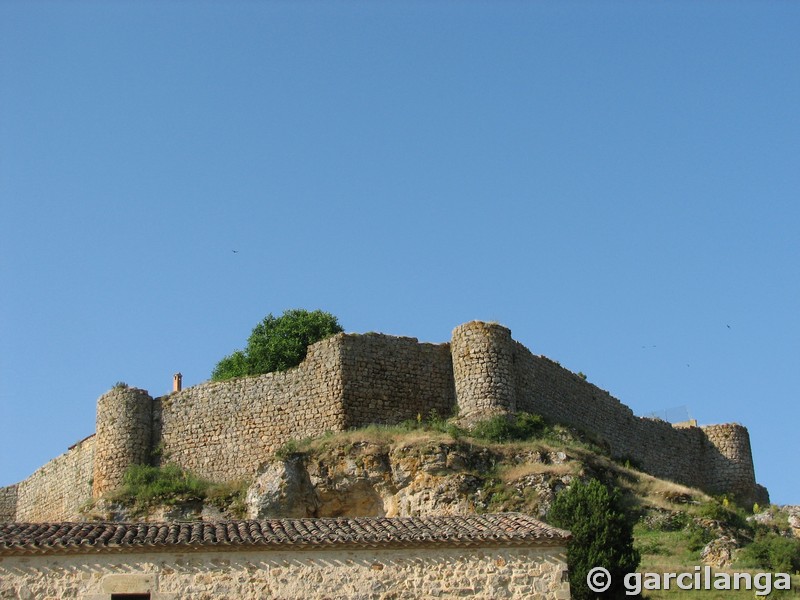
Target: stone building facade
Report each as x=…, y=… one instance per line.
x=489, y=556
x=223, y=431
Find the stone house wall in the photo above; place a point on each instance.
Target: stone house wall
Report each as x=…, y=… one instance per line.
x=510, y=572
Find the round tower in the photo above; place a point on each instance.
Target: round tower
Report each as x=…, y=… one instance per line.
x=122, y=439
x=483, y=367
x=729, y=462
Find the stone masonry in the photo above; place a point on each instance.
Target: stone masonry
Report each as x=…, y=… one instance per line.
x=223, y=431
x=8, y=503
x=512, y=573
x=60, y=487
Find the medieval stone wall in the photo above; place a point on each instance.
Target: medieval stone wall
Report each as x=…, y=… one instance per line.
x=489, y=573
x=8, y=503
x=495, y=373
x=483, y=366
x=727, y=460
x=223, y=431
x=546, y=388
x=123, y=435
x=390, y=379
x=58, y=489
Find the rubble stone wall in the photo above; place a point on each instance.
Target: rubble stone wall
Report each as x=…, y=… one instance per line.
x=124, y=434
x=728, y=463
x=489, y=573
x=56, y=491
x=390, y=379
x=8, y=503
x=223, y=431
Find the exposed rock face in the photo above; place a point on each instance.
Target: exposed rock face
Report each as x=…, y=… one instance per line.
x=367, y=479
x=794, y=519
x=719, y=552
x=282, y=489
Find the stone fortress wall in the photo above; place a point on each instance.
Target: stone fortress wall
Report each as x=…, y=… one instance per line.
x=59, y=488
x=497, y=373
x=223, y=431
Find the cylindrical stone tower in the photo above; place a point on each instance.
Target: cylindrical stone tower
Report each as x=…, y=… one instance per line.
x=124, y=426
x=483, y=367
x=729, y=462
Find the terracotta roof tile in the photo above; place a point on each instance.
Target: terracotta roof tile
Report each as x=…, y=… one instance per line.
x=469, y=530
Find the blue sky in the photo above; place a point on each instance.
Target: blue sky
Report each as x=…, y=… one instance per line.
x=616, y=182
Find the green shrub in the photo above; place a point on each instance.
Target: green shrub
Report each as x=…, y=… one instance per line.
x=725, y=513
x=772, y=552
x=229, y=496
x=143, y=486
x=278, y=343
x=602, y=536
x=288, y=448
x=507, y=428
x=697, y=537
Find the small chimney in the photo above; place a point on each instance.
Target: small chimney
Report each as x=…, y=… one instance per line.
x=176, y=382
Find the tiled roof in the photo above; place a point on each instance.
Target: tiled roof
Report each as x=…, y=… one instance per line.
x=504, y=529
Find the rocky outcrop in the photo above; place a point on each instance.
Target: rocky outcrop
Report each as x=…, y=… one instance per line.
x=370, y=479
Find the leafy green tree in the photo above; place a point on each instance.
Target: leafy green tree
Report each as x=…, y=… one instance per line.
x=278, y=343
x=601, y=536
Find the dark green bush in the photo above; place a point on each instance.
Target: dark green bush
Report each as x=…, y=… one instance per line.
x=772, y=552
x=507, y=428
x=697, y=537
x=724, y=513
x=278, y=343
x=602, y=536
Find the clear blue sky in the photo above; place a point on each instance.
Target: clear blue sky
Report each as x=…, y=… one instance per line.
x=617, y=182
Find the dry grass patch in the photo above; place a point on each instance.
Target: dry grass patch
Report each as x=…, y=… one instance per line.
x=666, y=495
x=517, y=472
x=382, y=436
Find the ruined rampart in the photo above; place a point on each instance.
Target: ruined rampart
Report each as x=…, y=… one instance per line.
x=391, y=379
x=223, y=431
x=716, y=459
x=57, y=490
x=8, y=503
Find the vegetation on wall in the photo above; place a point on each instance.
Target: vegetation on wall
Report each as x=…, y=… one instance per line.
x=145, y=487
x=278, y=343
